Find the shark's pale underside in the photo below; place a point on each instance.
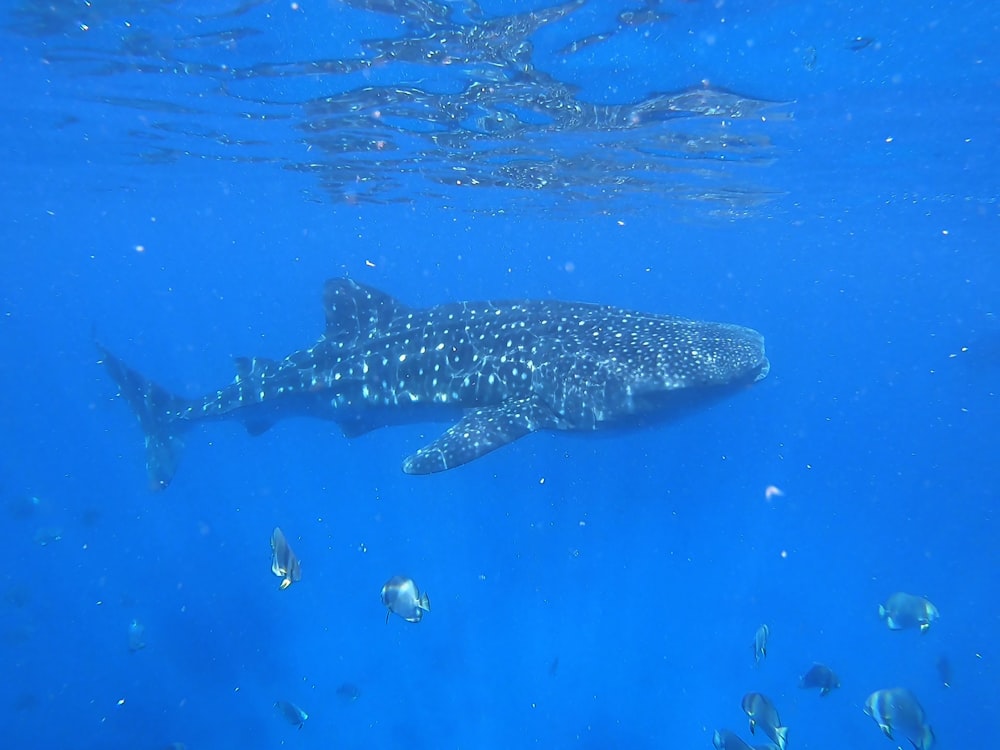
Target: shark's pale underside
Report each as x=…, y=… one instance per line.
x=500, y=369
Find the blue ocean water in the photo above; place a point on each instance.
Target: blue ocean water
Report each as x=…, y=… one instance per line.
x=181, y=178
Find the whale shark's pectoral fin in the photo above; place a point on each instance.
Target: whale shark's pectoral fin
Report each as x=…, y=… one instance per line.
x=479, y=432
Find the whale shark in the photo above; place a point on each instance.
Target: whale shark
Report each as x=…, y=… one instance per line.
x=499, y=370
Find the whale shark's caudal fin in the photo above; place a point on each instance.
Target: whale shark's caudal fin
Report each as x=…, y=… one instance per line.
x=157, y=411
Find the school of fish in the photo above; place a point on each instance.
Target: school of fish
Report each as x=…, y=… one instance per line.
x=896, y=711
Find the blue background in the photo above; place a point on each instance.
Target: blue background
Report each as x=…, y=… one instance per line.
x=642, y=561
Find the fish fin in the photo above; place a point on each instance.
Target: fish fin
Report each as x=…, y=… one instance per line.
x=927, y=738
x=924, y=627
x=158, y=413
x=886, y=730
x=781, y=737
x=243, y=365
x=353, y=428
x=255, y=427
x=387, y=613
x=753, y=727
x=478, y=432
x=424, y=602
x=881, y=610
x=255, y=369
x=354, y=310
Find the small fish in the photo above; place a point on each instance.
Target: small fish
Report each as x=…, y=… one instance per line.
x=762, y=713
x=23, y=507
x=898, y=711
x=291, y=713
x=820, y=676
x=943, y=665
x=573, y=47
x=726, y=740
x=136, y=633
x=284, y=563
x=903, y=610
x=760, y=644
x=858, y=43
x=348, y=692
x=401, y=597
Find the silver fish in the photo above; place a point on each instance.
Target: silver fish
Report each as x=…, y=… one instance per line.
x=291, y=713
x=136, y=633
x=897, y=710
x=943, y=665
x=902, y=610
x=348, y=692
x=760, y=644
x=401, y=596
x=762, y=713
x=726, y=740
x=820, y=676
x=284, y=563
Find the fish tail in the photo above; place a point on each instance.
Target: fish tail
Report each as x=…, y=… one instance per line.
x=425, y=602
x=781, y=737
x=157, y=411
x=927, y=738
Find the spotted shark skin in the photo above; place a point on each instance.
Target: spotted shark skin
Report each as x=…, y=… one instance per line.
x=501, y=369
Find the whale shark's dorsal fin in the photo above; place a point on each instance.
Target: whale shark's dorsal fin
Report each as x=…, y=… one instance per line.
x=355, y=311
x=480, y=431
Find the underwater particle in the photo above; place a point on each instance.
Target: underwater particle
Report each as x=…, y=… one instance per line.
x=771, y=492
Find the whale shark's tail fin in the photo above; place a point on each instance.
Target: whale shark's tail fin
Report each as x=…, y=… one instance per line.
x=158, y=412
